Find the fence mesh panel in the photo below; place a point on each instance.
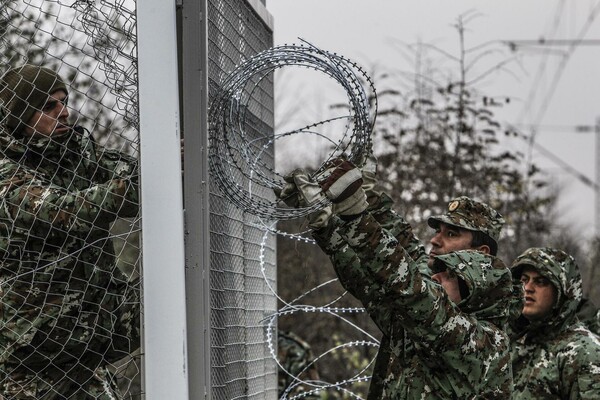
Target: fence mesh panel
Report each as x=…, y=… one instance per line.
x=69, y=218
x=241, y=365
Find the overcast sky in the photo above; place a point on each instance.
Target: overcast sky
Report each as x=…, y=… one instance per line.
x=553, y=88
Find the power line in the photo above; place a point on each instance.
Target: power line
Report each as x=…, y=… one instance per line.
x=515, y=44
x=557, y=160
x=572, y=44
x=558, y=128
x=541, y=71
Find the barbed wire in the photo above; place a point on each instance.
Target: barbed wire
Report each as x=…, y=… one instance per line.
x=236, y=154
x=290, y=307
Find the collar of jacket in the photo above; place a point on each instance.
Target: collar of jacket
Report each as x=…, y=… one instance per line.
x=49, y=148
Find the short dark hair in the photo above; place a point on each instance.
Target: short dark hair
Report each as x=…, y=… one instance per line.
x=480, y=239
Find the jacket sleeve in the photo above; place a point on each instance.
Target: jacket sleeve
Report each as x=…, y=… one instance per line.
x=31, y=203
x=391, y=277
x=382, y=210
x=113, y=164
x=579, y=364
x=121, y=167
x=348, y=267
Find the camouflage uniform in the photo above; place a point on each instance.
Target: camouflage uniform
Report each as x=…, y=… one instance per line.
x=557, y=357
x=66, y=310
x=296, y=359
x=476, y=216
x=431, y=348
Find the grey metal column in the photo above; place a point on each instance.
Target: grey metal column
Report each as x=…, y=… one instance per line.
x=194, y=67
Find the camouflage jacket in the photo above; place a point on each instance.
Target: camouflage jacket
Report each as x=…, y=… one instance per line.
x=558, y=357
x=66, y=309
x=433, y=348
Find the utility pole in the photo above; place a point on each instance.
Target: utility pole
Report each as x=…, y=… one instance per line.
x=596, y=130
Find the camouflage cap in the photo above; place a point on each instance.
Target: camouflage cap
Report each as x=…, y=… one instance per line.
x=467, y=213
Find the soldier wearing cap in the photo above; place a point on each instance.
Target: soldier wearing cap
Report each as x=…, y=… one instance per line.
x=442, y=317
x=67, y=310
x=466, y=224
x=554, y=355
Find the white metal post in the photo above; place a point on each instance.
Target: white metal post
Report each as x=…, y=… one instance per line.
x=165, y=346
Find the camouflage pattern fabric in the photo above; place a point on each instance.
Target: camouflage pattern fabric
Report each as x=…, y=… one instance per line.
x=296, y=359
x=467, y=213
x=66, y=309
x=433, y=349
x=345, y=261
x=557, y=357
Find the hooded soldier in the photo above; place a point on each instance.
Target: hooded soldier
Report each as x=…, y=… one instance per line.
x=554, y=355
x=67, y=311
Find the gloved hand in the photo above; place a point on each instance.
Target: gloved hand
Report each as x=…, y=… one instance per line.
x=301, y=191
x=342, y=183
x=369, y=174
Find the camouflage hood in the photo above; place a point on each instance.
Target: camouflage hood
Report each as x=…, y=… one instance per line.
x=562, y=270
x=487, y=278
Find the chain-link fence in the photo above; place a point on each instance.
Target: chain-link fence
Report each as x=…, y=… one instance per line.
x=69, y=211
x=69, y=278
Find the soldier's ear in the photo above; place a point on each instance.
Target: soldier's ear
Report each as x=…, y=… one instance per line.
x=484, y=248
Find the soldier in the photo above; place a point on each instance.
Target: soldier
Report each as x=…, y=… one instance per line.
x=296, y=366
x=554, y=355
x=442, y=315
x=67, y=310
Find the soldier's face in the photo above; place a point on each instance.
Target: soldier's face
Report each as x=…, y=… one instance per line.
x=449, y=282
x=540, y=294
x=51, y=119
x=449, y=238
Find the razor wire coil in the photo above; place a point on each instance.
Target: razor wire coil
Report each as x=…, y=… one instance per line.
x=234, y=153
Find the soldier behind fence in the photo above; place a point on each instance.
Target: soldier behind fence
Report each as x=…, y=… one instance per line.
x=66, y=310
x=297, y=366
x=443, y=315
x=554, y=355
